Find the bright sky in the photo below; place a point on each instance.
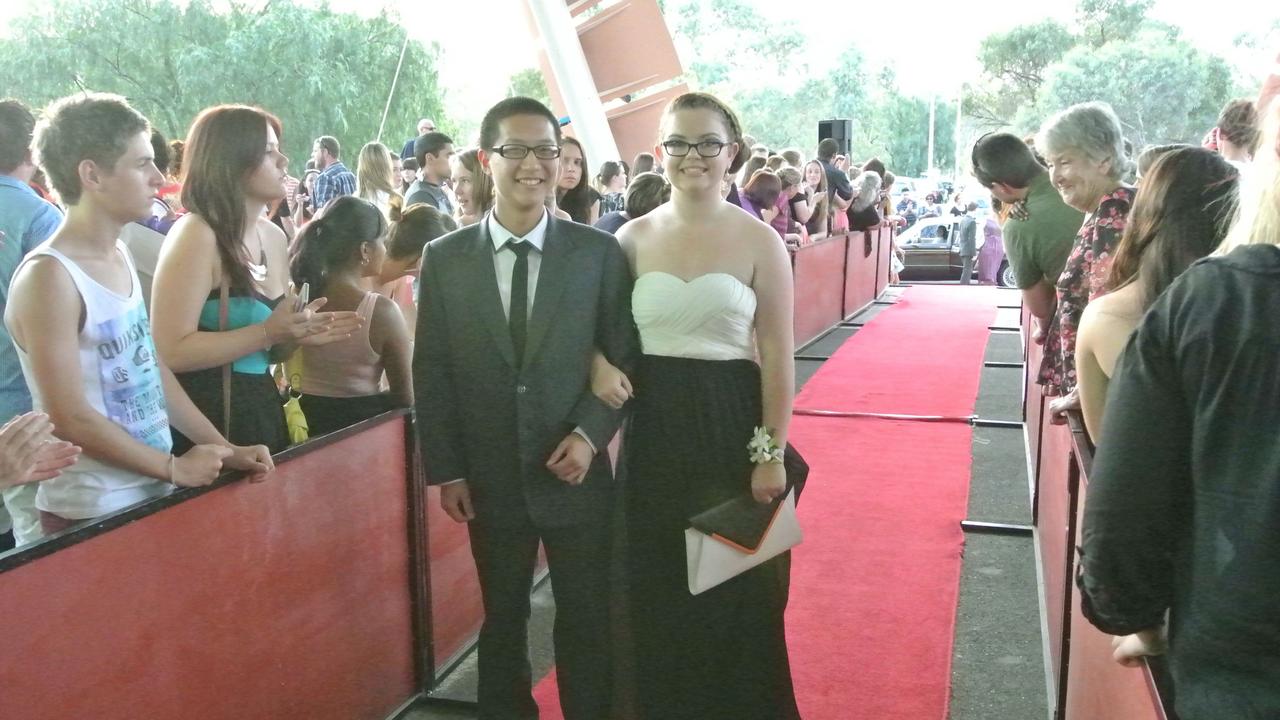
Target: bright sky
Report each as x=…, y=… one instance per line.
x=932, y=45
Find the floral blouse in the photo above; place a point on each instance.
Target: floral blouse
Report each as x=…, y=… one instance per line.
x=1083, y=279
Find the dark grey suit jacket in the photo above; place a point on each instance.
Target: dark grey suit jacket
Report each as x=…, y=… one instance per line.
x=486, y=418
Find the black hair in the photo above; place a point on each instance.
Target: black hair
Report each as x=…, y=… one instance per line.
x=828, y=148
x=511, y=107
x=160, y=148
x=1004, y=158
x=431, y=143
x=420, y=223
x=330, y=241
x=16, y=127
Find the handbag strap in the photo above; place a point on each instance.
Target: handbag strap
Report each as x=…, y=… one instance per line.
x=224, y=303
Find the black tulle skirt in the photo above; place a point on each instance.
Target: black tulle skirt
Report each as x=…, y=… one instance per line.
x=721, y=655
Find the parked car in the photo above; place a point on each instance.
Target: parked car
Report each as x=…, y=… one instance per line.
x=931, y=250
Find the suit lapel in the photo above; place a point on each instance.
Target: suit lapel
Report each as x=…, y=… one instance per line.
x=557, y=251
x=484, y=279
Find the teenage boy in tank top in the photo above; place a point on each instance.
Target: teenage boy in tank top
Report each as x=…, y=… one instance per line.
x=76, y=315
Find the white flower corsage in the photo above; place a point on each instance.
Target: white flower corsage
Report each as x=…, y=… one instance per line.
x=764, y=449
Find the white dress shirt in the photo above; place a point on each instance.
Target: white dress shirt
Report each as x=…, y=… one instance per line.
x=504, y=259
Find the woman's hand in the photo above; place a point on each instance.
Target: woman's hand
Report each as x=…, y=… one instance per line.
x=768, y=481
x=307, y=326
x=30, y=453
x=1058, y=407
x=1129, y=650
x=609, y=383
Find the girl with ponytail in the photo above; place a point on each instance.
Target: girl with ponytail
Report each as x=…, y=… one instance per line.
x=339, y=253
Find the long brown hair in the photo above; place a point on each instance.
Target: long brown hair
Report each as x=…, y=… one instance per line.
x=576, y=200
x=225, y=145
x=1180, y=215
x=481, y=181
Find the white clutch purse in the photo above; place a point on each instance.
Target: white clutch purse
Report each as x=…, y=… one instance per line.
x=736, y=536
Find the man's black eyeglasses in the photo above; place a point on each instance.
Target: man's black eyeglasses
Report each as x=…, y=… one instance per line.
x=512, y=151
x=706, y=148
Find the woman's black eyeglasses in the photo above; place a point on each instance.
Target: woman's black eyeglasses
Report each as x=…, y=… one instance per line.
x=706, y=148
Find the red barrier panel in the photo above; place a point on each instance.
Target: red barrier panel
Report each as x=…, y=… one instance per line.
x=818, y=272
x=867, y=279
x=884, y=248
x=456, y=608
x=860, y=272
x=1099, y=688
x=1055, y=519
x=289, y=598
x=1034, y=403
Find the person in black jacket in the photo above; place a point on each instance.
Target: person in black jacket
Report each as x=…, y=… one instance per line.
x=1181, y=534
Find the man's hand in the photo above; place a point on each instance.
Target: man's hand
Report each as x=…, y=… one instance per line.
x=455, y=498
x=253, y=459
x=1129, y=650
x=571, y=459
x=200, y=466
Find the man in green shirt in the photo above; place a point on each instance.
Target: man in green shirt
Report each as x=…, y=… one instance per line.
x=1039, y=241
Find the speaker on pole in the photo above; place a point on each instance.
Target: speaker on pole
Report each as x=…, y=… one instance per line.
x=840, y=130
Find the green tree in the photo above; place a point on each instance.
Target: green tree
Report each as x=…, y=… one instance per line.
x=1103, y=21
x=321, y=72
x=529, y=83
x=1163, y=91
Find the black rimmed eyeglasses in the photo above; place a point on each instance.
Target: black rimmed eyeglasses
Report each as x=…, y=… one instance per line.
x=706, y=148
x=514, y=151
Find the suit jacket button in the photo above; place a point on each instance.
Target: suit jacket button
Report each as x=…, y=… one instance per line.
x=522, y=389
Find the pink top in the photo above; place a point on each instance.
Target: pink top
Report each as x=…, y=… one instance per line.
x=782, y=221
x=347, y=368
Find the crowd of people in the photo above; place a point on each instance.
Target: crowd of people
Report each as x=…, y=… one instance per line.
x=1152, y=285
x=470, y=285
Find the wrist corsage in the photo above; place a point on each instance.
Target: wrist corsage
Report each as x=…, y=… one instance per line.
x=764, y=449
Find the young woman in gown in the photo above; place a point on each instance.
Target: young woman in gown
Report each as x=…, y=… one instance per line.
x=713, y=296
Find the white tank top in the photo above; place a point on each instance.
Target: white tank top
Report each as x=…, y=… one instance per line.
x=121, y=380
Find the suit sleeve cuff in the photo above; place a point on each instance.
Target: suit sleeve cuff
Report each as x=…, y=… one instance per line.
x=583, y=434
x=452, y=482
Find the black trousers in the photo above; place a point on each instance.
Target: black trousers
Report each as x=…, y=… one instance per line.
x=578, y=558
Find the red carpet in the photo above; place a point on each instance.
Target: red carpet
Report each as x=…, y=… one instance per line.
x=874, y=586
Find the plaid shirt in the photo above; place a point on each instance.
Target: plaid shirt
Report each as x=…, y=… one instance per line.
x=335, y=181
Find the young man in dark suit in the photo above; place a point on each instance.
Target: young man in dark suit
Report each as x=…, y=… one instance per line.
x=511, y=313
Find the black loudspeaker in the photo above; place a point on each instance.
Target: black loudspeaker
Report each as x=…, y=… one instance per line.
x=840, y=130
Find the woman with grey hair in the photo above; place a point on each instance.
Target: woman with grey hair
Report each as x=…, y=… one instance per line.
x=1084, y=147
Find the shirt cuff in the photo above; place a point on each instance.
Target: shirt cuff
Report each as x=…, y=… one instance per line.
x=583, y=434
x=452, y=482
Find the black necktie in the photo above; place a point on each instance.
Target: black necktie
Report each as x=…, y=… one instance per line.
x=518, y=318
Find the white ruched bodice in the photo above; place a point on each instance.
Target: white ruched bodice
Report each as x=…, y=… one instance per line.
x=710, y=317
